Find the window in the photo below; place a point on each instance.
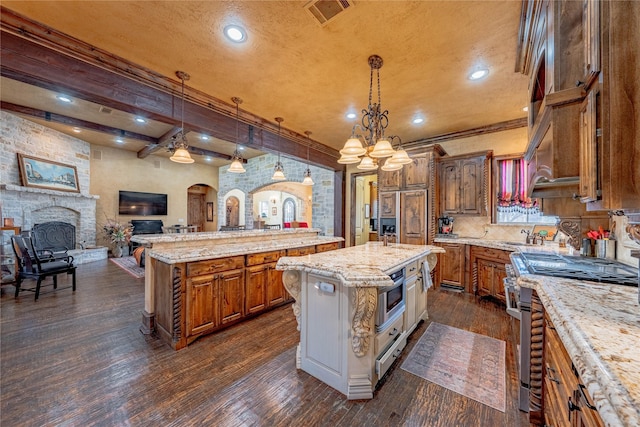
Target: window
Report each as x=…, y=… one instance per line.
x=513, y=205
x=288, y=210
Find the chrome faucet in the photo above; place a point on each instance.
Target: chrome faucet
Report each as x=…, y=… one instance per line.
x=529, y=237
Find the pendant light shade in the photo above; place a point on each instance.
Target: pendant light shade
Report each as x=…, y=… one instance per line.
x=348, y=160
x=236, y=164
x=367, y=164
x=307, y=173
x=400, y=156
x=181, y=153
x=382, y=149
x=391, y=166
x=278, y=171
x=353, y=147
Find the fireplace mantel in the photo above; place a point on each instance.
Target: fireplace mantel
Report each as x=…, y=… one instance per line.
x=19, y=188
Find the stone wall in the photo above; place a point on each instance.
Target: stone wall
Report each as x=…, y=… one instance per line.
x=259, y=171
x=28, y=205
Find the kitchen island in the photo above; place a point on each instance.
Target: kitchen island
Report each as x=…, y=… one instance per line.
x=336, y=305
x=198, y=283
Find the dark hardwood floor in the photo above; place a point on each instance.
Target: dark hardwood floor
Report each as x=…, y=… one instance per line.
x=79, y=359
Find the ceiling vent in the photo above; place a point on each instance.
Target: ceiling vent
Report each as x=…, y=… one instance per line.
x=105, y=110
x=324, y=11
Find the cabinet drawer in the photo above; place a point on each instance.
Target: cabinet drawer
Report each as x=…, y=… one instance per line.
x=412, y=269
x=324, y=247
x=386, y=360
x=306, y=250
x=264, y=257
x=384, y=338
x=491, y=254
x=214, y=265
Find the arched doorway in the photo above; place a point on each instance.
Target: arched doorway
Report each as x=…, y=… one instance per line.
x=233, y=212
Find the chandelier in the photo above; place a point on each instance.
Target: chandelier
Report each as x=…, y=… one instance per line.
x=236, y=163
x=374, y=121
x=180, y=144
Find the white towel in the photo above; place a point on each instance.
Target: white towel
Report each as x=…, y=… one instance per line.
x=426, y=277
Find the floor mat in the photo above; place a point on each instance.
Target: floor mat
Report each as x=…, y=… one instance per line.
x=128, y=264
x=470, y=364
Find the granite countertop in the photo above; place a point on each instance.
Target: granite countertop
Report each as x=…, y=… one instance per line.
x=189, y=254
x=150, y=239
x=511, y=246
x=599, y=325
x=363, y=265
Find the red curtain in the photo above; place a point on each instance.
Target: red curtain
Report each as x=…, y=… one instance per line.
x=512, y=191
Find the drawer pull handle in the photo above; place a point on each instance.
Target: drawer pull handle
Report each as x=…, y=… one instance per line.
x=396, y=353
x=581, y=387
x=550, y=370
x=394, y=332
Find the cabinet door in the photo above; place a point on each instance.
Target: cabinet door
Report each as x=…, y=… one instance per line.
x=256, y=290
x=588, y=150
x=472, y=186
x=388, y=180
x=415, y=174
x=413, y=221
x=202, y=304
x=499, y=274
x=485, y=277
x=276, y=293
x=410, y=307
x=450, y=268
x=449, y=188
x=232, y=295
x=388, y=205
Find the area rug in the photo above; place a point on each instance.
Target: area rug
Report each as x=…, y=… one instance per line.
x=128, y=264
x=470, y=364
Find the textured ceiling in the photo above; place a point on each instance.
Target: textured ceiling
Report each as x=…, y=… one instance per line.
x=310, y=75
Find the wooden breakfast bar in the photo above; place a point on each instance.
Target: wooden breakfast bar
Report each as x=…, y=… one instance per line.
x=199, y=283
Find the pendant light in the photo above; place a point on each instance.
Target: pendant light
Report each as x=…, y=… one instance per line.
x=278, y=171
x=307, y=174
x=181, y=155
x=236, y=164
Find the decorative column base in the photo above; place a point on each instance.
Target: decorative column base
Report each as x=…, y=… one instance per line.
x=148, y=323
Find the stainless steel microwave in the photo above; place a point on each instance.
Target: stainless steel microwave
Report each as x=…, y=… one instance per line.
x=391, y=301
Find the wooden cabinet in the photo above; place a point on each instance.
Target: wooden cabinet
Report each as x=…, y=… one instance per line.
x=489, y=271
x=388, y=180
x=256, y=288
x=306, y=250
x=463, y=184
x=413, y=222
x=450, y=266
x=203, y=308
x=388, y=204
x=416, y=173
x=324, y=247
x=231, y=285
x=589, y=171
x=566, y=400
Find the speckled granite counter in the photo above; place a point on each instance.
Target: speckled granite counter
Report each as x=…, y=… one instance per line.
x=365, y=265
x=505, y=245
x=599, y=325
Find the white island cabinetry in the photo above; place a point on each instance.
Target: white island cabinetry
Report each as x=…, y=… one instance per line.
x=336, y=302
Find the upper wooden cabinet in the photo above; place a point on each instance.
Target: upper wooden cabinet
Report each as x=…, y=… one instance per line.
x=411, y=176
x=388, y=180
x=413, y=229
x=463, y=182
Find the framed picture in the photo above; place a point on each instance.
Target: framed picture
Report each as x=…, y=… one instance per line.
x=274, y=211
x=41, y=173
x=209, y=211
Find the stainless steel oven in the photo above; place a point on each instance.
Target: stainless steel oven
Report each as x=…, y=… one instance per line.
x=391, y=301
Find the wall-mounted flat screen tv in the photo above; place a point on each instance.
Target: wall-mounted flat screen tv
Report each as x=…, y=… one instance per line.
x=143, y=204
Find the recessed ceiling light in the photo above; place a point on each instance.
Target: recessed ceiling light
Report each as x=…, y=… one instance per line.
x=240, y=147
x=140, y=120
x=525, y=108
x=204, y=137
x=120, y=140
x=235, y=33
x=64, y=98
x=207, y=159
x=417, y=120
x=77, y=130
x=478, y=74
x=351, y=116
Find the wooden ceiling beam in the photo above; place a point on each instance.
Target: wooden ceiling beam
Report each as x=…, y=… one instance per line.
x=70, y=121
x=163, y=141
x=37, y=55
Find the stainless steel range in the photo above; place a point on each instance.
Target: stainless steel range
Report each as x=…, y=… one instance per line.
x=576, y=267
